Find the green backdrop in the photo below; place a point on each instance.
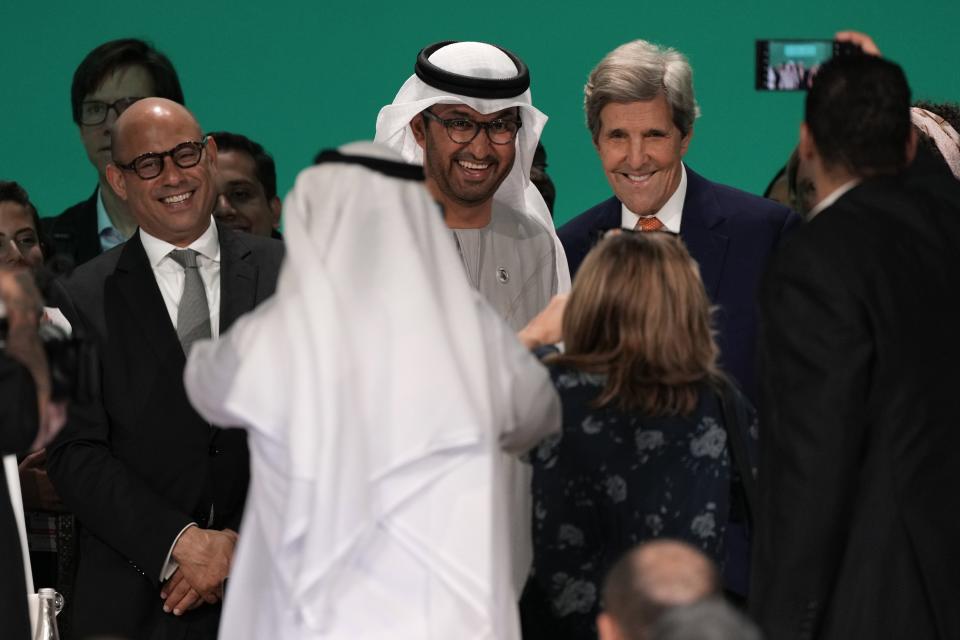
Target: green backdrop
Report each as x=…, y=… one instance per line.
x=299, y=76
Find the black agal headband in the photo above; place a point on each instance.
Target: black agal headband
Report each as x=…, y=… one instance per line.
x=390, y=168
x=457, y=84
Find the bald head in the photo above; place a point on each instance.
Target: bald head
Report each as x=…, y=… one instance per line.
x=149, y=112
x=171, y=189
x=652, y=578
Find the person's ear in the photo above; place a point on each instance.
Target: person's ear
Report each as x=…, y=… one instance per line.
x=275, y=208
x=607, y=627
x=912, y=140
x=685, y=142
x=117, y=181
x=806, y=147
x=212, y=151
x=418, y=126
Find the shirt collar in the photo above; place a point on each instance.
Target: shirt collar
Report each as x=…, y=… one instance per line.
x=207, y=245
x=670, y=213
x=109, y=235
x=833, y=197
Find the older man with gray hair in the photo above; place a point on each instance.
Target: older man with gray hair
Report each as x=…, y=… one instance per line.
x=640, y=109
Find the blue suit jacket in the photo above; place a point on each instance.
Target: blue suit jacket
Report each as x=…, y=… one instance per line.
x=731, y=234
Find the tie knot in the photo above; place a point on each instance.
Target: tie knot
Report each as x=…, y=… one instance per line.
x=650, y=223
x=186, y=258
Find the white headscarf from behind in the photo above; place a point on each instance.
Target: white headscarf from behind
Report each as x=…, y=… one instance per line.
x=482, y=61
x=384, y=386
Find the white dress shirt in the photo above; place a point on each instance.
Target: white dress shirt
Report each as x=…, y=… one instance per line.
x=670, y=213
x=170, y=275
x=833, y=197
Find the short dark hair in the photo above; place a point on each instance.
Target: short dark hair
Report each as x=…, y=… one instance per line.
x=118, y=54
x=266, y=168
x=858, y=112
x=11, y=191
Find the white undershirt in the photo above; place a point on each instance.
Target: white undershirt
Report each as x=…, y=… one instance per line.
x=169, y=273
x=670, y=213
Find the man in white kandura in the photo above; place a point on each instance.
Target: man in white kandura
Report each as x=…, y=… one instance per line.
x=466, y=114
x=379, y=392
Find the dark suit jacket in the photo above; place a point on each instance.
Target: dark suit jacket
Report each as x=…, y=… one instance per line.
x=858, y=532
x=731, y=235
x=140, y=464
x=74, y=232
x=18, y=427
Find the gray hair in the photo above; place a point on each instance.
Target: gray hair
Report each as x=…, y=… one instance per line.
x=711, y=619
x=640, y=70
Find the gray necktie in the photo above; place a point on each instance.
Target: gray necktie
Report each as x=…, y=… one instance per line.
x=193, y=315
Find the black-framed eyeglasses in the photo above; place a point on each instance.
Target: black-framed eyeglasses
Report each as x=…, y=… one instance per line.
x=150, y=165
x=94, y=112
x=464, y=130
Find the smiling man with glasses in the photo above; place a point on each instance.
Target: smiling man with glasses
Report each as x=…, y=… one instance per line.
x=111, y=78
x=157, y=490
x=466, y=114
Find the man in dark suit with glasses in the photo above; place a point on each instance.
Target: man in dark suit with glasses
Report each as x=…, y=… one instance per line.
x=158, y=492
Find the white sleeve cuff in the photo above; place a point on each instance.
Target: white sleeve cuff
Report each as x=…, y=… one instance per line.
x=170, y=565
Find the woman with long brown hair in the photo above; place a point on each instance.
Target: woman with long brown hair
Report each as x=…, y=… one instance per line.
x=643, y=452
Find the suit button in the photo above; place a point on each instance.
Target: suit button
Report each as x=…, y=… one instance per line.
x=214, y=450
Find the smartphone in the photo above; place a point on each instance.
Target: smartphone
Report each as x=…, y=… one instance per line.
x=791, y=64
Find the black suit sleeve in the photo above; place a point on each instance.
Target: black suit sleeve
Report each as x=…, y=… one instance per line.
x=107, y=496
x=815, y=352
x=18, y=407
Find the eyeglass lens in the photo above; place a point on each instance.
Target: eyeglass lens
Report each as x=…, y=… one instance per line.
x=462, y=130
x=184, y=155
x=95, y=112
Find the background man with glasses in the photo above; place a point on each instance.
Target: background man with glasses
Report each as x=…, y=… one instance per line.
x=111, y=78
x=157, y=490
x=466, y=115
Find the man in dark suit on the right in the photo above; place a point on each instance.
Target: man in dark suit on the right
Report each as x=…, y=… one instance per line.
x=857, y=534
x=640, y=108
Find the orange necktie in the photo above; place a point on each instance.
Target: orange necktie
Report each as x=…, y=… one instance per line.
x=650, y=223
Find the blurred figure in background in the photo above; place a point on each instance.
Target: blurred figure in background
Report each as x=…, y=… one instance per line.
x=109, y=79
x=710, y=619
x=540, y=179
x=649, y=581
x=51, y=537
x=247, y=186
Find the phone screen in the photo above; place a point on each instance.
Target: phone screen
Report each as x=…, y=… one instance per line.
x=790, y=65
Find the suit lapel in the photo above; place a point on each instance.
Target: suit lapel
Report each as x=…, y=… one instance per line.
x=700, y=229
x=238, y=277
x=611, y=216
x=138, y=287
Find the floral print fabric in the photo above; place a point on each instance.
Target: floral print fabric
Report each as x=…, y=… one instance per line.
x=611, y=480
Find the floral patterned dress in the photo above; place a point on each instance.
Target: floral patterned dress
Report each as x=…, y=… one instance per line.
x=611, y=480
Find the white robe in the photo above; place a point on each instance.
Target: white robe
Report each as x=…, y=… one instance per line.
x=379, y=392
